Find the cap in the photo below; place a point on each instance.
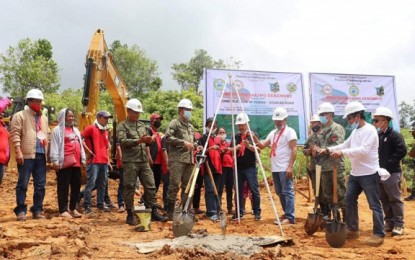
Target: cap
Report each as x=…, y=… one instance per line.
x=315, y=118
x=155, y=116
x=103, y=113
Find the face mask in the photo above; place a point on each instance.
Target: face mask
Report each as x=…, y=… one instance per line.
x=36, y=107
x=323, y=120
x=187, y=114
x=157, y=124
x=354, y=125
x=378, y=129
x=69, y=124
x=222, y=137
x=315, y=128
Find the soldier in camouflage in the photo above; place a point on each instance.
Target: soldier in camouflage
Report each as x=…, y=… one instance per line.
x=412, y=155
x=132, y=136
x=314, y=139
x=332, y=134
x=182, y=144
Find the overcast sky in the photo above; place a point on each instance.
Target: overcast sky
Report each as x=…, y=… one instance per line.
x=353, y=37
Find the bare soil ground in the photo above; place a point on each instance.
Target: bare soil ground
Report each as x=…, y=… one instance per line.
x=106, y=236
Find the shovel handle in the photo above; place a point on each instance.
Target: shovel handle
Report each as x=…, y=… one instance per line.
x=334, y=183
x=215, y=191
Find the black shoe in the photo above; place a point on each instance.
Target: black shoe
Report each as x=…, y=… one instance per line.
x=410, y=197
x=155, y=216
x=130, y=217
x=88, y=211
x=235, y=217
x=105, y=209
x=257, y=216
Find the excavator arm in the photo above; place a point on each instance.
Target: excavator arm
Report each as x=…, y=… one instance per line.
x=101, y=71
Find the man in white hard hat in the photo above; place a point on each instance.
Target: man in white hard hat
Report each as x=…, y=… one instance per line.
x=180, y=136
x=392, y=149
x=362, y=149
x=332, y=134
x=246, y=165
x=133, y=138
x=312, y=142
x=29, y=129
x=283, y=143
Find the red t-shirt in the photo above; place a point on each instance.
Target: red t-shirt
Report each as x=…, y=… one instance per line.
x=227, y=159
x=98, y=142
x=72, y=145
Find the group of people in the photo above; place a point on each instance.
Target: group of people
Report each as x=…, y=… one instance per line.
x=375, y=152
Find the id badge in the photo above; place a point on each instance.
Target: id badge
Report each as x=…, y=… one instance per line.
x=41, y=135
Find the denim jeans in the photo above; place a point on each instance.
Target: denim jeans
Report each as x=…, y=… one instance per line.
x=36, y=167
x=369, y=184
x=1, y=172
x=97, y=175
x=251, y=175
x=210, y=198
x=285, y=190
x=120, y=194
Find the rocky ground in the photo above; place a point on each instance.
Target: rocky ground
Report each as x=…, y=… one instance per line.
x=105, y=235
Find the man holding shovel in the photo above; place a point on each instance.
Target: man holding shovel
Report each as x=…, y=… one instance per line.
x=181, y=139
x=362, y=149
x=332, y=134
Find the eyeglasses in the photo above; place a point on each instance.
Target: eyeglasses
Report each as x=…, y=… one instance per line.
x=377, y=120
x=323, y=114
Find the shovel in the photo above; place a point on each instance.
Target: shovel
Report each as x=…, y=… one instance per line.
x=335, y=230
x=221, y=213
x=313, y=221
x=183, y=219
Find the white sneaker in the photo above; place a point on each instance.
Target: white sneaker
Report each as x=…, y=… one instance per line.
x=121, y=209
x=397, y=231
x=75, y=213
x=66, y=215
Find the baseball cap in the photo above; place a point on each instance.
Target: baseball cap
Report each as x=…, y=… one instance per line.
x=103, y=113
x=155, y=116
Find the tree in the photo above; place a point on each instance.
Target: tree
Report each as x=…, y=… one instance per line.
x=29, y=65
x=189, y=75
x=406, y=114
x=139, y=73
x=168, y=108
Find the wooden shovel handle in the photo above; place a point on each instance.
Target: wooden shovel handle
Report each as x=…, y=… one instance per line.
x=334, y=183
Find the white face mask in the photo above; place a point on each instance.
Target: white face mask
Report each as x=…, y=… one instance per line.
x=222, y=137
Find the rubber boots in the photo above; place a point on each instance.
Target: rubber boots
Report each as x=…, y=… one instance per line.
x=155, y=216
x=130, y=217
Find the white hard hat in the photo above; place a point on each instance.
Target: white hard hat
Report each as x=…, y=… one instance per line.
x=34, y=93
x=279, y=114
x=186, y=103
x=241, y=119
x=383, y=111
x=353, y=107
x=315, y=118
x=325, y=107
x=135, y=105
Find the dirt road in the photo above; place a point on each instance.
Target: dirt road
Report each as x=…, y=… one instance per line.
x=106, y=235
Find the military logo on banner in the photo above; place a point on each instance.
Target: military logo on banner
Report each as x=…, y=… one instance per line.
x=380, y=91
x=274, y=87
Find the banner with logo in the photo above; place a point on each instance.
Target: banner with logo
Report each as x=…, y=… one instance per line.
x=339, y=89
x=260, y=92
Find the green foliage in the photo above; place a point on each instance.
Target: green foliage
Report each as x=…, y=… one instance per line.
x=29, y=65
x=139, y=72
x=189, y=75
x=406, y=114
x=165, y=103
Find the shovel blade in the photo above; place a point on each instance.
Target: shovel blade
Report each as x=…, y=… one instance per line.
x=336, y=233
x=312, y=223
x=183, y=222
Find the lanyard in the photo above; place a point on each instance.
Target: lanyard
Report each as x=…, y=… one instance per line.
x=274, y=144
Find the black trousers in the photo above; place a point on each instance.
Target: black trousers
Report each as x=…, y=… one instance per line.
x=157, y=175
x=197, y=193
x=227, y=181
x=69, y=177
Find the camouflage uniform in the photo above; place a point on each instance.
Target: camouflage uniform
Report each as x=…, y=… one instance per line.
x=331, y=136
x=315, y=139
x=411, y=154
x=135, y=163
x=181, y=160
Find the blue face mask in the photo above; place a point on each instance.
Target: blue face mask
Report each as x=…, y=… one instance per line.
x=323, y=120
x=187, y=114
x=354, y=125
